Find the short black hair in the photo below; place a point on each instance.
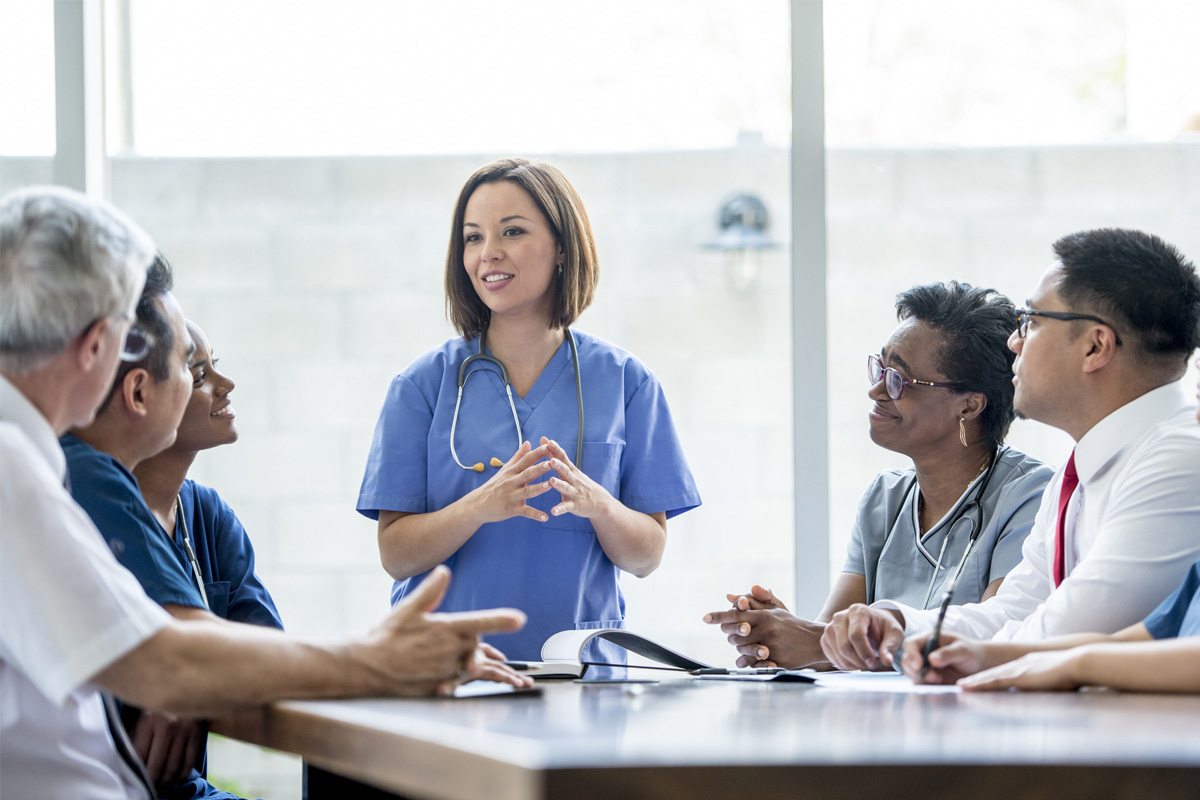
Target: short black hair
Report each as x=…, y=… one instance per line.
x=1138, y=282
x=974, y=324
x=160, y=279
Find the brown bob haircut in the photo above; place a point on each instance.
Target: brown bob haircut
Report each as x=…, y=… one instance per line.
x=560, y=204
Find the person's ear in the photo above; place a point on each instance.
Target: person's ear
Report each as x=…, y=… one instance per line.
x=972, y=406
x=89, y=345
x=1101, y=342
x=137, y=387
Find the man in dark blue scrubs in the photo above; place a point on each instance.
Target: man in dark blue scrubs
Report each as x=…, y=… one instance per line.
x=138, y=420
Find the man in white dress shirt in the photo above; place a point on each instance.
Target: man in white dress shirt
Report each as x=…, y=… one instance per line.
x=1100, y=351
x=72, y=620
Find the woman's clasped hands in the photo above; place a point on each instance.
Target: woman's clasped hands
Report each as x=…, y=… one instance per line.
x=581, y=495
x=507, y=493
x=766, y=634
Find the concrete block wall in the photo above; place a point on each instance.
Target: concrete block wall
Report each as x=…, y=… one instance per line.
x=318, y=279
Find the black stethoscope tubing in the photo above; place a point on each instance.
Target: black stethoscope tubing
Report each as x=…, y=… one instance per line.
x=960, y=513
x=480, y=356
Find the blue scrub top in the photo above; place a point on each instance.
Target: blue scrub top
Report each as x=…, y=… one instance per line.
x=554, y=571
x=110, y=495
x=1179, y=614
x=226, y=559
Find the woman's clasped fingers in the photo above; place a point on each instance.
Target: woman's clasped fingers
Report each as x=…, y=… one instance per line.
x=756, y=652
x=532, y=473
x=581, y=495
x=736, y=628
x=731, y=622
x=554, y=450
x=571, y=485
x=526, y=457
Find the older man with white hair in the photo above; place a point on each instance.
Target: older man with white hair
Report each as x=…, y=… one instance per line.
x=74, y=622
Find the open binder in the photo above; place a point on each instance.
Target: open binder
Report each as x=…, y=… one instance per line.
x=562, y=657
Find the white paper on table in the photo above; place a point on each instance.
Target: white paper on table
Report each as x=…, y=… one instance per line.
x=878, y=682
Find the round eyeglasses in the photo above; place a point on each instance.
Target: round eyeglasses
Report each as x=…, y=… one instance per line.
x=1026, y=315
x=137, y=344
x=894, y=382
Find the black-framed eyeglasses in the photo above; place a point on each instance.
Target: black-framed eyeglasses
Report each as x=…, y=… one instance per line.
x=894, y=382
x=1025, y=315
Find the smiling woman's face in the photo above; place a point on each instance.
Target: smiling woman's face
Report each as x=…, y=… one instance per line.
x=925, y=418
x=510, y=251
x=208, y=420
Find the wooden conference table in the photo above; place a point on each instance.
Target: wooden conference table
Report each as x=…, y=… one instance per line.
x=691, y=738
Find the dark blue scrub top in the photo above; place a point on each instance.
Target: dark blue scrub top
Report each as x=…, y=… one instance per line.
x=226, y=559
x=110, y=495
x=1179, y=614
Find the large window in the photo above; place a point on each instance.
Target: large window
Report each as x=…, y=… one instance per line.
x=964, y=139
x=272, y=78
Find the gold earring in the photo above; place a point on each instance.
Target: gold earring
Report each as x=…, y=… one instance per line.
x=962, y=431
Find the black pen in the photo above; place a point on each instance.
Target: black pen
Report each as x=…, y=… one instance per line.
x=931, y=643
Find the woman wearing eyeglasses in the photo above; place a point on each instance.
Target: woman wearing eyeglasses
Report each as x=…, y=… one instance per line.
x=942, y=393
x=536, y=461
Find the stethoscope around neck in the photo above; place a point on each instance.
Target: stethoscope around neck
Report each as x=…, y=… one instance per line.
x=960, y=513
x=480, y=356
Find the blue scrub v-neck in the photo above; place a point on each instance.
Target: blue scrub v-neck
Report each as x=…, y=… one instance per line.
x=549, y=376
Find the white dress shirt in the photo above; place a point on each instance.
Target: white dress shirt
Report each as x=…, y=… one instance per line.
x=67, y=611
x=1132, y=532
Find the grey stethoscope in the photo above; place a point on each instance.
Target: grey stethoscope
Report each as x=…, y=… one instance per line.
x=960, y=513
x=463, y=375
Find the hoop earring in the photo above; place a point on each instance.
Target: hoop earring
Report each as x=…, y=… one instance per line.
x=962, y=431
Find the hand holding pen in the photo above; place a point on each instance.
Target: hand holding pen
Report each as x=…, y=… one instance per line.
x=952, y=657
x=935, y=638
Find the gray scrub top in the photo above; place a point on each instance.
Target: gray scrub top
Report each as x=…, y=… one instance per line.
x=883, y=545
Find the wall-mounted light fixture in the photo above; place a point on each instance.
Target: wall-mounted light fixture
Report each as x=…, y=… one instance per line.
x=743, y=222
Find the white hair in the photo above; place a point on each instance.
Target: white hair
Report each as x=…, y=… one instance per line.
x=66, y=261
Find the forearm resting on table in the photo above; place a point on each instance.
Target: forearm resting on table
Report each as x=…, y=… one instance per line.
x=632, y=540
x=206, y=668
x=1003, y=652
x=1168, y=665
x=410, y=544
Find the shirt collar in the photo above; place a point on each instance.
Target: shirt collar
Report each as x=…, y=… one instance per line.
x=1114, y=433
x=16, y=408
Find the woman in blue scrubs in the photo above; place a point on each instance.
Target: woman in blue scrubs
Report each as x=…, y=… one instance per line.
x=223, y=550
x=224, y=557
x=942, y=395
x=497, y=484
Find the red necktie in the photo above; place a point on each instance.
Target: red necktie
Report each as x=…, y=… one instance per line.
x=1070, y=481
